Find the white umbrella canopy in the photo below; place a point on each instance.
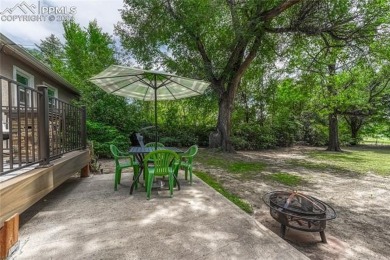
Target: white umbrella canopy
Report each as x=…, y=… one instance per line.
x=147, y=85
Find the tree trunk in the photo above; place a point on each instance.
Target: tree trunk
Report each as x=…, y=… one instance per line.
x=355, y=123
x=221, y=138
x=334, y=144
x=354, y=134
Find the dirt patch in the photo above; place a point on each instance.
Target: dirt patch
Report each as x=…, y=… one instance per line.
x=361, y=229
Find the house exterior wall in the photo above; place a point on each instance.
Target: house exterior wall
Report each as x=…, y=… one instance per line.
x=7, y=63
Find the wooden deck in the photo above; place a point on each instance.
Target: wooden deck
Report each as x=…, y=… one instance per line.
x=22, y=191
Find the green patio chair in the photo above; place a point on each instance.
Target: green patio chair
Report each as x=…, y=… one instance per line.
x=166, y=163
x=122, y=160
x=153, y=144
x=187, y=159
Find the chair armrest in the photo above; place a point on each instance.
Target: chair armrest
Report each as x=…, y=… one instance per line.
x=126, y=157
x=123, y=154
x=185, y=155
x=176, y=165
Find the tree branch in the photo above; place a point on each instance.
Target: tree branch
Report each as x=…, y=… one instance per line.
x=373, y=86
x=249, y=58
x=233, y=14
x=241, y=42
x=270, y=14
x=208, y=67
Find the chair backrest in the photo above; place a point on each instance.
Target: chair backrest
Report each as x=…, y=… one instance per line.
x=115, y=153
x=114, y=150
x=163, y=160
x=152, y=144
x=191, y=152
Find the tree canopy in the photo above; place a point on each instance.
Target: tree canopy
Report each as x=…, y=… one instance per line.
x=281, y=71
x=220, y=40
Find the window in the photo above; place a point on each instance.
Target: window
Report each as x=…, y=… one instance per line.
x=25, y=79
x=52, y=93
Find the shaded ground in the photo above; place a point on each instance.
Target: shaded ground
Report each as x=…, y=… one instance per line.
x=84, y=218
x=362, y=201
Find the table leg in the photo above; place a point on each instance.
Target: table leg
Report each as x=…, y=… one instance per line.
x=177, y=182
x=140, y=159
x=136, y=180
x=282, y=230
x=323, y=237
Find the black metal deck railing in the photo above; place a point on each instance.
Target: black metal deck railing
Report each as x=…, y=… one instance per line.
x=36, y=128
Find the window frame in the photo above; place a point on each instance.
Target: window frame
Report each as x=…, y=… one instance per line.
x=54, y=89
x=30, y=78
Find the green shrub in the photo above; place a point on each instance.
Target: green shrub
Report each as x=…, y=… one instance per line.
x=103, y=136
x=180, y=135
x=252, y=137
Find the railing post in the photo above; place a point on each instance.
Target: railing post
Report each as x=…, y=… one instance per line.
x=43, y=131
x=83, y=127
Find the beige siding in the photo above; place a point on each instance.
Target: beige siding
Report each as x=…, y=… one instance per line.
x=6, y=69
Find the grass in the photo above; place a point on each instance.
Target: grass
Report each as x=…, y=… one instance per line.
x=286, y=178
x=359, y=160
x=352, y=161
x=317, y=166
x=211, y=160
x=376, y=141
x=245, y=206
x=243, y=168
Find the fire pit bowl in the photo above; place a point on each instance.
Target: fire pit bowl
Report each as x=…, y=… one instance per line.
x=299, y=211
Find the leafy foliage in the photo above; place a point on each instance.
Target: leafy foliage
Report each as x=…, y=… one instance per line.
x=103, y=136
x=277, y=69
x=238, y=44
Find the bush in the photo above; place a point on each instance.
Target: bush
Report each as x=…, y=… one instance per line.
x=180, y=135
x=253, y=137
x=316, y=134
x=103, y=136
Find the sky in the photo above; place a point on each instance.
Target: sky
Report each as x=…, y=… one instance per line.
x=27, y=22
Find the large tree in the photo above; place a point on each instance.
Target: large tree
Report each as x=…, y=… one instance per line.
x=218, y=40
x=341, y=33
x=52, y=51
x=84, y=53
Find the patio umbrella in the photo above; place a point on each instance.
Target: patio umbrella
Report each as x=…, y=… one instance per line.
x=147, y=85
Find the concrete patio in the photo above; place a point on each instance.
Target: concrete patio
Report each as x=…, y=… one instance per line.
x=87, y=219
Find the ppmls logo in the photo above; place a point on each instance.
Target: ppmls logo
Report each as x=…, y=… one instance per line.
x=24, y=12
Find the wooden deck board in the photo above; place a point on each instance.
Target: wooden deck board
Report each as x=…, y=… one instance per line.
x=19, y=193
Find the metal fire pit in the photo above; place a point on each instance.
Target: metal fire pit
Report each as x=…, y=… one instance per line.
x=299, y=211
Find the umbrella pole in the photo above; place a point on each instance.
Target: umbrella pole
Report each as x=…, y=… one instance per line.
x=155, y=109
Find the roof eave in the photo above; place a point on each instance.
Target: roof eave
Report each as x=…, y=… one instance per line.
x=11, y=48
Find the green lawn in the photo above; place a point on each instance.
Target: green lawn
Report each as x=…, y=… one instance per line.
x=245, y=206
x=376, y=141
x=286, y=178
x=356, y=160
x=360, y=160
x=243, y=169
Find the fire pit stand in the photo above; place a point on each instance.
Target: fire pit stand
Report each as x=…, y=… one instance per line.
x=299, y=211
